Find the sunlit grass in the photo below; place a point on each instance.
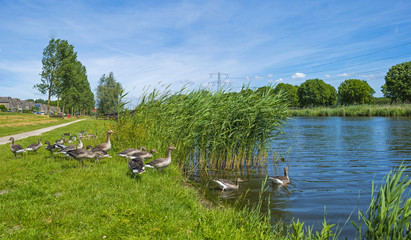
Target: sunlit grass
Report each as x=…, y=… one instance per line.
x=13, y=123
x=367, y=110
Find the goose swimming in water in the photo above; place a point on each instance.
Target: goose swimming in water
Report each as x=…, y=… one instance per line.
x=161, y=162
x=282, y=180
x=15, y=148
x=226, y=184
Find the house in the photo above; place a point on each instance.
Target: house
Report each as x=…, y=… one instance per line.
x=6, y=101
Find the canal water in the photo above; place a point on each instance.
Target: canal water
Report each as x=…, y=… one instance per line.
x=332, y=162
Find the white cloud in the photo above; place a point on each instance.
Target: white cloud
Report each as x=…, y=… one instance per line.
x=344, y=75
x=279, y=80
x=258, y=77
x=299, y=75
x=270, y=75
x=327, y=75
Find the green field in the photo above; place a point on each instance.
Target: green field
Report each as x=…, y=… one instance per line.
x=13, y=123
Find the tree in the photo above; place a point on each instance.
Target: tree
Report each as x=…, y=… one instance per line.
x=315, y=92
x=50, y=63
x=290, y=92
x=108, y=94
x=3, y=108
x=398, y=83
x=64, y=76
x=355, y=91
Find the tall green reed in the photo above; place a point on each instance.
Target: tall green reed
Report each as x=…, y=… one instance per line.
x=220, y=129
x=389, y=213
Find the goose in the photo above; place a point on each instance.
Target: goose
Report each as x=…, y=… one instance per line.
x=107, y=145
x=72, y=139
x=161, y=162
x=136, y=165
x=282, y=180
x=72, y=147
x=80, y=154
x=62, y=140
x=105, y=154
x=226, y=184
x=143, y=155
x=130, y=151
x=34, y=146
x=53, y=148
x=15, y=148
x=66, y=134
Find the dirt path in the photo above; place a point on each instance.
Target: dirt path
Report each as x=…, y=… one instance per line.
x=4, y=140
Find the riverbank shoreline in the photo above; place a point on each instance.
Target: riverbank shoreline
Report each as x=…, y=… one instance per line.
x=365, y=110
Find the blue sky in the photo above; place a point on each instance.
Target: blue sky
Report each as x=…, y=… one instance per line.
x=151, y=43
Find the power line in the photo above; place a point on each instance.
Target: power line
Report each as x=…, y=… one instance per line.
x=218, y=79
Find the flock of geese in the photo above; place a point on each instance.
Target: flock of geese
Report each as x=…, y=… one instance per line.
x=136, y=156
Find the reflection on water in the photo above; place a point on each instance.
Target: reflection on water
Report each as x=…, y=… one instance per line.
x=332, y=163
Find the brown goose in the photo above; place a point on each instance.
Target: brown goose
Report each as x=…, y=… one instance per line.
x=80, y=154
x=282, y=180
x=136, y=166
x=34, y=146
x=72, y=147
x=15, y=148
x=53, y=148
x=161, y=162
x=226, y=184
x=62, y=140
x=130, y=151
x=72, y=139
x=143, y=155
x=107, y=145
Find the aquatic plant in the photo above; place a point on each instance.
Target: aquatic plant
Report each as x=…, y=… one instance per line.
x=210, y=129
x=389, y=213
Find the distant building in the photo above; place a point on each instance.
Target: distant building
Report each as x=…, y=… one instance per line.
x=17, y=105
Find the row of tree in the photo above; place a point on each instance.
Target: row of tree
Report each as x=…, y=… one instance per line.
x=64, y=76
x=315, y=92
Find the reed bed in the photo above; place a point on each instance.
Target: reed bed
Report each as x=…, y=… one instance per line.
x=365, y=110
x=217, y=130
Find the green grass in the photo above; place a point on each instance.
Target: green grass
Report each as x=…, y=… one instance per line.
x=53, y=198
x=13, y=123
x=365, y=110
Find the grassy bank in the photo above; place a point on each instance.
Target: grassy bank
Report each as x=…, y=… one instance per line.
x=53, y=198
x=13, y=123
x=366, y=110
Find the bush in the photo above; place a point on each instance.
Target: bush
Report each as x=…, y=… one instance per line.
x=3, y=108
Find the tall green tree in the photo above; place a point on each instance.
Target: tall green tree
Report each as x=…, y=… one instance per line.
x=290, y=92
x=65, y=77
x=108, y=94
x=398, y=83
x=355, y=91
x=315, y=92
x=48, y=75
